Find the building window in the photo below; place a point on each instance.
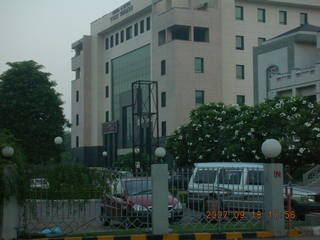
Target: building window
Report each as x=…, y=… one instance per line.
x=180, y=32
x=117, y=38
x=107, y=68
x=198, y=65
x=163, y=99
x=107, y=91
x=107, y=116
x=77, y=96
x=122, y=36
x=107, y=43
x=77, y=141
x=261, y=15
x=142, y=26
x=163, y=67
x=239, y=13
x=148, y=23
x=240, y=71
x=261, y=41
x=162, y=37
x=303, y=18
x=77, y=120
x=283, y=17
x=136, y=29
x=241, y=99
x=201, y=34
x=163, y=128
x=239, y=42
x=77, y=73
x=199, y=97
x=128, y=33
x=111, y=41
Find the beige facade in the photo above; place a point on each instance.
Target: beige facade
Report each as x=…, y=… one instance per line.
x=181, y=30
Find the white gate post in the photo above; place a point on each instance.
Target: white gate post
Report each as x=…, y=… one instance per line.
x=160, y=223
x=274, y=199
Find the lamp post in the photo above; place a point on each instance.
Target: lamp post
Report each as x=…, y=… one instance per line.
x=105, y=155
x=160, y=152
x=271, y=148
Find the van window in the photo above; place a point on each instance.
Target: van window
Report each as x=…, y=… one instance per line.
x=229, y=176
x=255, y=178
x=205, y=176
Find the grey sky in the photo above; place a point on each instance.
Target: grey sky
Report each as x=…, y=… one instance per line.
x=43, y=30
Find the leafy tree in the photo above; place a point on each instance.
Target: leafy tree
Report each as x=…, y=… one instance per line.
x=231, y=133
x=127, y=161
x=31, y=110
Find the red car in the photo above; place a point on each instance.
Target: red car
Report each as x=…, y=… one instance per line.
x=130, y=203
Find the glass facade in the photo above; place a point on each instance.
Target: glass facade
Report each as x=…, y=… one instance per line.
x=125, y=70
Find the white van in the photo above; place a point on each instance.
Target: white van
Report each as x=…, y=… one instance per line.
x=241, y=186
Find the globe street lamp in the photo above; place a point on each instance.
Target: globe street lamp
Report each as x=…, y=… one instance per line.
x=271, y=148
x=7, y=152
x=160, y=152
x=58, y=140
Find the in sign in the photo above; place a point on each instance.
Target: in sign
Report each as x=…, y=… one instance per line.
x=277, y=174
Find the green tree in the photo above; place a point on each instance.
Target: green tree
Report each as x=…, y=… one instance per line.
x=231, y=133
x=31, y=110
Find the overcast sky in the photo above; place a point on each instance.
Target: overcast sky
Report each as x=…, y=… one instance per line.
x=43, y=30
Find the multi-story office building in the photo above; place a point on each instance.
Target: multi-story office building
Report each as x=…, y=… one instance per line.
x=289, y=65
x=198, y=51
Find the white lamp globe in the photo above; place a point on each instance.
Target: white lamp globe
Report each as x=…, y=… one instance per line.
x=271, y=148
x=160, y=152
x=58, y=140
x=104, y=153
x=137, y=150
x=7, y=152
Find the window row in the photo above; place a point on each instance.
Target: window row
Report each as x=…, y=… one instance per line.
x=239, y=42
x=261, y=15
x=128, y=33
x=183, y=32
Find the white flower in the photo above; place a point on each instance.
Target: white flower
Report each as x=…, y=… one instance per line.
x=256, y=157
x=223, y=112
x=236, y=132
x=264, y=134
x=289, y=118
x=307, y=124
x=310, y=105
x=318, y=135
x=180, y=137
x=253, y=151
x=177, y=157
x=190, y=143
x=221, y=127
x=278, y=105
x=249, y=134
x=199, y=125
x=208, y=150
x=242, y=139
x=194, y=125
x=200, y=157
x=207, y=136
x=291, y=147
x=252, y=129
x=222, y=152
x=219, y=119
x=294, y=109
x=215, y=140
x=282, y=114
x=242, y=148
x=254, y=118
x=316, y=129
x=200, y=139
x=301, y=150
x=297, y=115
x=304, y=102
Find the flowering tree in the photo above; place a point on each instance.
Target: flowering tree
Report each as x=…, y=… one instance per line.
x=219, y=133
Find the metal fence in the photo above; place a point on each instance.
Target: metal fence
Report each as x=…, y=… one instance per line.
x=204, y=199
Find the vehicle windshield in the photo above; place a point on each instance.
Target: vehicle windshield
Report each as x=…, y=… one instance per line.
x=136, y=187
x=205, y=176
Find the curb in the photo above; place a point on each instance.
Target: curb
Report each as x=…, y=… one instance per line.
x=195, y=236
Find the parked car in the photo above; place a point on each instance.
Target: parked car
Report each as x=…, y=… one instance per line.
x=39, y=183
x=131, y=200
x=240, y=186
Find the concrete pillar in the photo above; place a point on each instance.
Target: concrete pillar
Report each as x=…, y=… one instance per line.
x=9, y=219
x=273, y=199
x=160, y=223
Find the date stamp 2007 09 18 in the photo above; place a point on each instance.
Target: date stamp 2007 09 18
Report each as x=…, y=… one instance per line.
x=212, y=214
